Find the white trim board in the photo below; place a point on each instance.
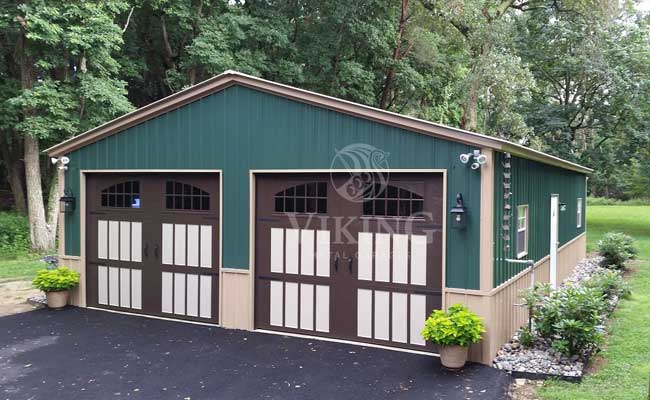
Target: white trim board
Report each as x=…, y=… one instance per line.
x=342, y=341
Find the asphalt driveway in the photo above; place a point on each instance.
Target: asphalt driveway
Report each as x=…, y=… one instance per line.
x=87, y=354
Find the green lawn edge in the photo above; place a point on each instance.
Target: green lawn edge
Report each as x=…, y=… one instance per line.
x=624, y=366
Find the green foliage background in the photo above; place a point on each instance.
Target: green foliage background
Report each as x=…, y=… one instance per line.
x=568, y=77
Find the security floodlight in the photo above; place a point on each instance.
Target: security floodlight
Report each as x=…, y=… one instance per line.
x=54, y=160
x=481, y=159
x=476, y=165
x=464, y=158
x=65, y=160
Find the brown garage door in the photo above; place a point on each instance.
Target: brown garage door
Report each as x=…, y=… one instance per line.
x=367, y=269
x=153, y=244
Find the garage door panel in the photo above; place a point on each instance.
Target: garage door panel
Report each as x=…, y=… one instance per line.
x=154, y=251
x=376, y=288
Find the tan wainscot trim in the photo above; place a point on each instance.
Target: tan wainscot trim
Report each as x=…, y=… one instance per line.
x=499, y=306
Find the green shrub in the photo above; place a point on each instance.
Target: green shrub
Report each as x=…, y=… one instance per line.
x=570, y=319
x=616, y=249
x=526, y=336
x=610, y=283
x=458, y=326
x=14, y=235
x=56, y=280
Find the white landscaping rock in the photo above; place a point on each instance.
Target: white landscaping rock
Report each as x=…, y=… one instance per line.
x=540, y=358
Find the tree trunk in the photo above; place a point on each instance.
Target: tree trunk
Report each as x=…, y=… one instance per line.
x=41, y=234
x=469, y=120
x=53, y=207
x=390, y=75
x=15, y=179
x=10, y=151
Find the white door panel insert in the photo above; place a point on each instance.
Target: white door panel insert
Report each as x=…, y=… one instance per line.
x=365, y=256
x=119, y=287
x=322, y=308
x=276, y=305
x=114, y=240
x=399, y=319
x=179, y=244
x=102, y=285
x=323, y=253
x=391, y=316
x=136, y=241
x=291, y=305
x=400, y=258
x=125, y=241
x=291, y=251
x=187, y=294
x=364, y=313
x=418, y=260
x=306, y=306
x=382, y=257
x=206, y=246
x=193, y=245
x=382, y=314
x=102, y=239
x=418, y=315
x=277, y=250
x=307, y=252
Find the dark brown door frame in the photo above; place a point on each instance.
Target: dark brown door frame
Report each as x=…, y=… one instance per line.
x=83, y=211
x=253, y=233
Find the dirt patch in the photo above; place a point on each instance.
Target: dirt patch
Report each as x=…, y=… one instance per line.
x=524, y=389
x=14, y=295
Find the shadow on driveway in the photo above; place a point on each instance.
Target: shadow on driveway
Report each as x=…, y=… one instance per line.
x=88, y=354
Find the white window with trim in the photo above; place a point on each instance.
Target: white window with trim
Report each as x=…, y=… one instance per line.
x=522, y=231
x=579, y=213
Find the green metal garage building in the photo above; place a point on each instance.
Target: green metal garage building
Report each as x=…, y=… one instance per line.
x=254, y=205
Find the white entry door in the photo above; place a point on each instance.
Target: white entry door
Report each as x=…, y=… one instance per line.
x=554, y=242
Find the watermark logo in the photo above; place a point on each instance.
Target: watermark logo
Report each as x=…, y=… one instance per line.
x=367, y=172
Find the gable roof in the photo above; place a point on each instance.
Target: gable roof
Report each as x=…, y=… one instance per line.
x=230, y=78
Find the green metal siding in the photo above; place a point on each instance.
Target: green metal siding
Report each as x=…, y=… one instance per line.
x=239, y=129
x=532, y=184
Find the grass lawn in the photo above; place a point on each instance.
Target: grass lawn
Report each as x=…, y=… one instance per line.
x=23, y=267
x=624, y=371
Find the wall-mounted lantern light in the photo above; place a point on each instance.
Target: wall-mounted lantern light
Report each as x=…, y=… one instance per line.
x=459, y=214
x=562, y=206
x=67, y=202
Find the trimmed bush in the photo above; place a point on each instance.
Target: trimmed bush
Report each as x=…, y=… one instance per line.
x=56, y=280
x=456, y=327
x=570, y=319
x=610, y=283
x=616, y=249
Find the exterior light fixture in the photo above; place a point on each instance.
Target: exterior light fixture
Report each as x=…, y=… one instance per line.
x=476, y=157
x=464, y=158
x=67, y=202
x=459, y=213
x=63, y=162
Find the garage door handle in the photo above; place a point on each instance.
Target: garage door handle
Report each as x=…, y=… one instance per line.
x=336, y=263
x=155, y=251
x=350, y=261
x=146, y=250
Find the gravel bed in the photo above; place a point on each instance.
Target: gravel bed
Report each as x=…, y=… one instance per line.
x=540, y=358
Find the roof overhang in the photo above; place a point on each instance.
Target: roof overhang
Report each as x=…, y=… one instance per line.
x=230, y=78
